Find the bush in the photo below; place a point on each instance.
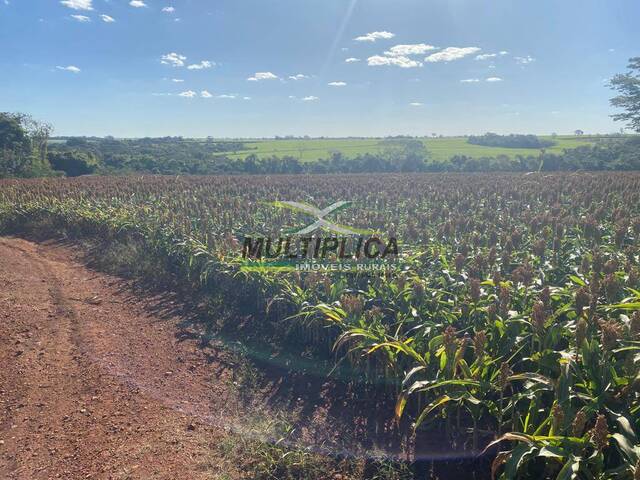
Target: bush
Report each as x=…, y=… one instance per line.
x=510, y=141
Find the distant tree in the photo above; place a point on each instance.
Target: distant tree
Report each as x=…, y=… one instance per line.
x=628, y=86
x=39, y=132
x=578, y=132
x=23, y=146
x=14, y=145
x=73, y=163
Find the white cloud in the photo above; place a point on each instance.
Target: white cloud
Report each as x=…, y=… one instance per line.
x=416, y=104
x=137, y=3
x=246, y=98
x=470, y=80
x=177, y=80
x=204, y=64
x=402, y=62
x=205, y=94
x=525, y=60
x=232, y=97
x=405, y=50
x=298, y=76
x=337, y=84
x=485, y=56
x=188, y=94
x=352, y=60
x=373, y=36
x=174, y=59
x=262, y=76
x=81, y=18
x=107, y=19
x=493, y=79
x=78, y=4
x=69, y=68
x=451, y=53
x=168, y=9
x=310, y=98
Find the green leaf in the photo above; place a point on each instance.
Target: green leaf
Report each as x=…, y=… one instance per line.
x=429, y=408
x=569, y=470
x=626, y=448
x=578, y=280
x=518, y=456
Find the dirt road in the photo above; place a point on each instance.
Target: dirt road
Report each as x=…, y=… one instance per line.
x=92, y=385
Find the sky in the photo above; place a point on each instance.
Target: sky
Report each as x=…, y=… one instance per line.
x=261, y=68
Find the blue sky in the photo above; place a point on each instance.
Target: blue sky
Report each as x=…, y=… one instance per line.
x=259, y=68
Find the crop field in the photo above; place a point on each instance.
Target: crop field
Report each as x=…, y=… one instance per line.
x=513, y=326
x=439, y=148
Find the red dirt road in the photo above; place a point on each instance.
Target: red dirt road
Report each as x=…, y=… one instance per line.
x=92, y=385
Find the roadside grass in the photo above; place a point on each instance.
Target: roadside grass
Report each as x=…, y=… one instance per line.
x=251, y=457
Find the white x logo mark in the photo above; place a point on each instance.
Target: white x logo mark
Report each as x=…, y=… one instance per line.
x=320, y=215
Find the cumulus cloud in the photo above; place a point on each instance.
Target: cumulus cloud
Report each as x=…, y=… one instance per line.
x=69, y=68
x=177, y=80
x=298, y=76
x=310, y=98
x=470, y=80
x=406, y=50
x=259, y=76
x=451, y=53
x=373, y=36
x=204, y=64
x=352, y=60
x=402, y=62
x=78, y=4
x=246, y=98
x=493, y=79
x=107, y=19
x=81, y=18
x=205, y=94
x=416, y=104
x=168, y=9
x=137, y=3
x=174, y=59
x=188, y=94
x=337, y=84
x=525, y=60
x=231, y=97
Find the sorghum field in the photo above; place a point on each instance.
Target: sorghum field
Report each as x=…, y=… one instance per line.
x=513, y=328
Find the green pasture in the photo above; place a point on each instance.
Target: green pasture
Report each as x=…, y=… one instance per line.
x=439, y=148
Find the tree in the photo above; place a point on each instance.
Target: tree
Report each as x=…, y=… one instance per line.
x=39, y=132
x=15, y=145
x=628, y=86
